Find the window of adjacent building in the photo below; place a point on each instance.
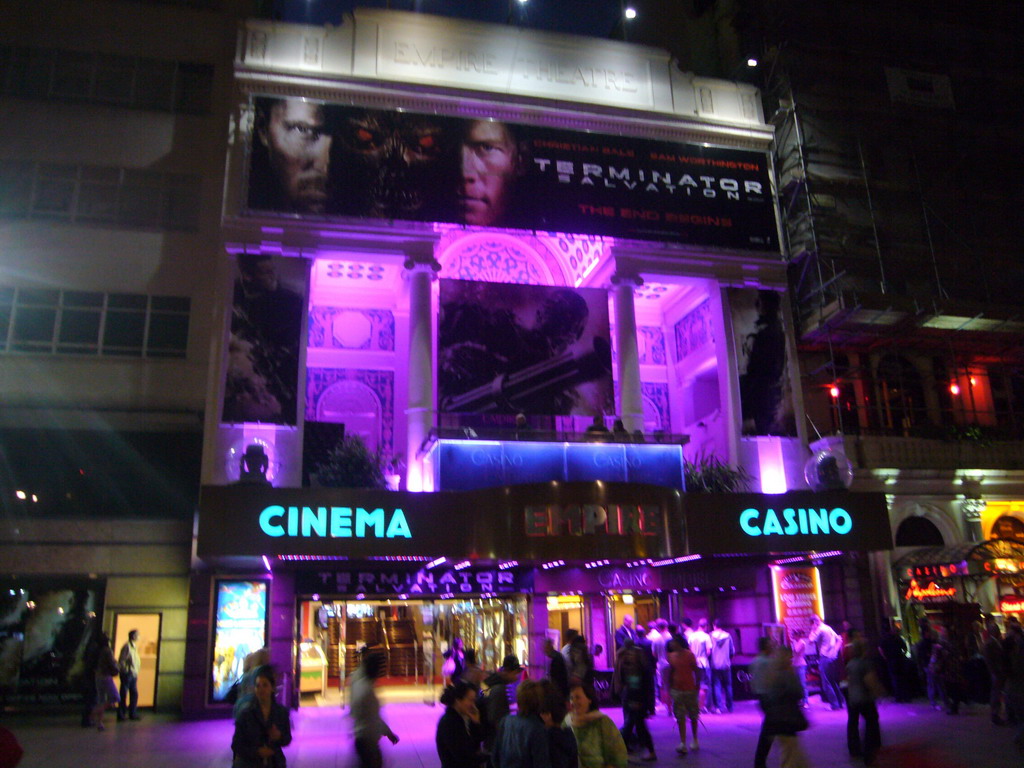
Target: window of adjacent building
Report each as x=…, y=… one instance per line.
x=47, y=321
x=101, y=78
x=91, y=194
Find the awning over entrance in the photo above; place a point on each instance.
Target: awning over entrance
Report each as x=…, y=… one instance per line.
x=995, y=557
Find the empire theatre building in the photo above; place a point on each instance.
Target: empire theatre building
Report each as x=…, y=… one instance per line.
x=461, y=243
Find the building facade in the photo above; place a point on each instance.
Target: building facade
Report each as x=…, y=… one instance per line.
x=904, y=268
x=476, y=248
x=111, y=167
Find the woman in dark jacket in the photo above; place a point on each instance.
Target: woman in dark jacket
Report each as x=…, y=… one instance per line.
x=262, y=728
x=459, y=732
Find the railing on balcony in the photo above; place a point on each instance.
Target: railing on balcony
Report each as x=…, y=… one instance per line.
x=882, y=452
x=658, y=437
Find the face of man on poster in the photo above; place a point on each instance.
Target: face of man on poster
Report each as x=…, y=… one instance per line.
x=298, y=146
x=490, y=163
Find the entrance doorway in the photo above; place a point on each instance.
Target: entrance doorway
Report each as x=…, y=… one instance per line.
x=148, y=643
x=413, y=636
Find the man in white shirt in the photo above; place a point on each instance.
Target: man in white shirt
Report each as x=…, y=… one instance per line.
x=128, y=670
x=830, y=648
x=658, y=639
x=700, y=644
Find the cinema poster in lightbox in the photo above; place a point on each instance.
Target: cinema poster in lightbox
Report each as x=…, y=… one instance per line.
x=240, y=628
x=538, y=350
x=322, y=160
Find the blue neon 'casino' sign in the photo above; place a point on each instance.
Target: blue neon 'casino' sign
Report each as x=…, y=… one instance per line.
x=795, y=522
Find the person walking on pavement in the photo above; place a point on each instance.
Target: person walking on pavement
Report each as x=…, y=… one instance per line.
x=522, y=740
x=864, y=689
x=700, y=643
x=599, y=741
x=760, y=672
x=128, y=668
x=558, y=673
x=658, y=639
x=783, y=717
x=459, y=731
x=262, y=728
x=683, y=690
x=799, y=648
x=106, y=689
x=995, y=660
x=496, y=703
x=722, y=651
x=830, y=647
x=634, y=683
x=367, y=724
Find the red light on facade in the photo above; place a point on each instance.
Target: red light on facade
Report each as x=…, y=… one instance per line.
x=834, y=391
x=954, y=388
x=973, y=381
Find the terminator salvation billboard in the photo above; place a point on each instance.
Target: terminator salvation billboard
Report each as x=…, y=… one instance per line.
x=325, y=160
x=505, y=348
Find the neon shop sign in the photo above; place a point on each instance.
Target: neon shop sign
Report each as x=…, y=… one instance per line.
x=931, y=592
x=334, y=522
x=795, y=522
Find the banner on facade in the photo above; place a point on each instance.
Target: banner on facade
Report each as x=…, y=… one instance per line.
x=523, y=348
x=325, y=160
x=268, y=310
x=759, y=334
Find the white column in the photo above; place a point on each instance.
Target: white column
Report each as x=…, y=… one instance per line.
x=631, y=403
x=421, y=269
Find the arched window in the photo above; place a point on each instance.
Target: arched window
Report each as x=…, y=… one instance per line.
x=919, y=532
x=355, y=405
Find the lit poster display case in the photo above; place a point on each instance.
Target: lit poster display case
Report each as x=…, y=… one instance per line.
x=240, y=628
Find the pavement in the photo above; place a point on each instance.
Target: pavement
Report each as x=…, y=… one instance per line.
x=913, y=735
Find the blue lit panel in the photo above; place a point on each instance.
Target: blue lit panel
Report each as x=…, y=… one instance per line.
x=655, y=465
x=596, y=461
x=464, y=465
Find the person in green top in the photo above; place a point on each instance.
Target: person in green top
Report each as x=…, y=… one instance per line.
x=599, y=741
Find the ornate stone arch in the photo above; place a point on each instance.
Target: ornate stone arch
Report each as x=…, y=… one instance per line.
x=497, y=257
x=939, y=517
x=355, y=405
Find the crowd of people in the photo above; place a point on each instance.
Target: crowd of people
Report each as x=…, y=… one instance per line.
x=502, y=720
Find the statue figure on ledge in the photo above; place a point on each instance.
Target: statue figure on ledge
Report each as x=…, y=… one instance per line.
x=253, y=466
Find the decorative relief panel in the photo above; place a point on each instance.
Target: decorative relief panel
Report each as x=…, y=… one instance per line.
x=656, y=408
x=341, y=328
x=651, y=343
x=362, y=400
x=693, y=331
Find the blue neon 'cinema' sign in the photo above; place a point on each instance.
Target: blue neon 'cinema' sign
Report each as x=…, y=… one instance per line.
x=334, y=522
x=793, y=522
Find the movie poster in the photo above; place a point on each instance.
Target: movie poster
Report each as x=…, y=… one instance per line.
x=267, y=313
x=797, y=597
x=46, y=628
x=766, y=394
x=507, y=348
x=315, y=159
x=240, y=629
